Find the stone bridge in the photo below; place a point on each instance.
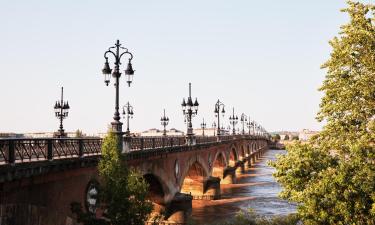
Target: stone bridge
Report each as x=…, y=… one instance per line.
x=39, y=178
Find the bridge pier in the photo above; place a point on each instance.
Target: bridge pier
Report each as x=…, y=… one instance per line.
x=179, y=208
x=240, y=166
x=229, y=176
x=252, y=158
x=248, y=161
x=212, y=188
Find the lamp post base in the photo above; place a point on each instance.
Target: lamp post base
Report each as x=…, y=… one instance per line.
x=191, y=140
x=59, y=134
x=117, y=129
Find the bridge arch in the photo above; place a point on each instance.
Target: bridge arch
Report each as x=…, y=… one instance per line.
x=233, y=157
x=243, y=154
x=155, y=189
x=194, y=176
x=219, y=165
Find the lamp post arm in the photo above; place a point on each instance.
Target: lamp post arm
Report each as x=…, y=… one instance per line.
x=126, y=52
x=109, y=51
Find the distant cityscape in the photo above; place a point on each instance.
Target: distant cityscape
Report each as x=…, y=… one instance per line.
x=303, y=135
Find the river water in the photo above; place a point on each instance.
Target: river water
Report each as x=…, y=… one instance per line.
x=255, y=189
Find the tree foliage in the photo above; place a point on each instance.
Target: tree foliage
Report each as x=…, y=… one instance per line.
x=348, y=105
x=122, y=193
x=333, y=176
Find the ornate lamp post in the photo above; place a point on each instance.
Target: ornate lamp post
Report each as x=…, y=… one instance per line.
x=253, y=126
x=243, y=120
x=189, y=109
x=233, y=120
x=164, y=122
x=203, y=126
x=117, y=52
x=219, y=106
x=214, y=126
x=248, y=124
x=127, y=111
x=61, y=112
x=256, y=126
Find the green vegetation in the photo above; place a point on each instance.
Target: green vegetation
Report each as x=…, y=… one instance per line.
x=333, y=176
x=286, y=138
x=78, y=133
x=123, y=191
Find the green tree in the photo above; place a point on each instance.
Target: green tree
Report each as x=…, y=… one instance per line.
x=348, y=105
x=333, y=176
x=123, y=191
x=78, y=133
x=286, y=138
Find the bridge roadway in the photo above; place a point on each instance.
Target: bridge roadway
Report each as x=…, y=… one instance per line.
x=39, y=178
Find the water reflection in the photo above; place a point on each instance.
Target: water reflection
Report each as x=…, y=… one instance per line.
x=255, y=189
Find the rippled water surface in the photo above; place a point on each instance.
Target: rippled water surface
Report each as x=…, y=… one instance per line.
x=255, y=189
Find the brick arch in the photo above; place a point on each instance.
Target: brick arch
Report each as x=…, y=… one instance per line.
x=242, y=151
x=232, y=157
x=254, y=146
x=218, y=165
x=162, y=175
x=155, y=191
x=224, y=156
x=193, y=177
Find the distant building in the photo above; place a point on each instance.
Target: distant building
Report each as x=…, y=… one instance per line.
x=207, y=131
x=157, y=132
x=10, y=135
x=36, y=135
x=306, y=134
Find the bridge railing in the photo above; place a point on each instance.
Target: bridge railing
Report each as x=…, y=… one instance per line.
x=142, y=143
x=206, y=139
x=37, y=149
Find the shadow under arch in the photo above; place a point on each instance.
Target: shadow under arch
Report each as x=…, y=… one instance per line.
x=243, y=154
x=219, y=166
x=193, y=182
x=155, y=189
x=233, y=157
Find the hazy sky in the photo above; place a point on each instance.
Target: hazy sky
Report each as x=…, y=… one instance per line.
x=262, y=57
